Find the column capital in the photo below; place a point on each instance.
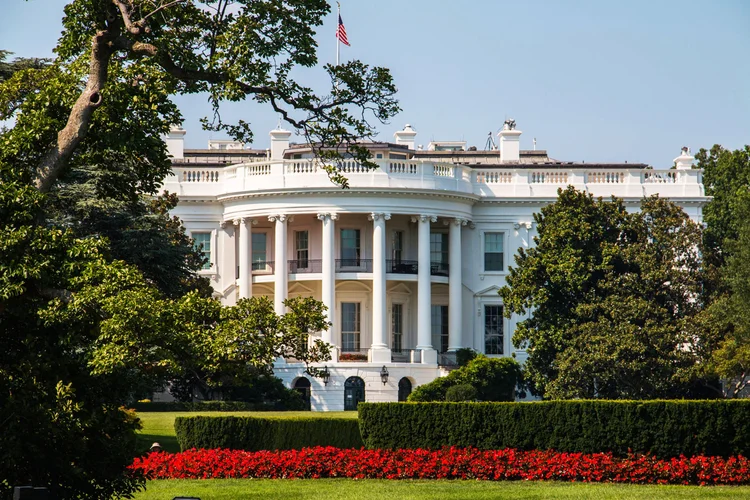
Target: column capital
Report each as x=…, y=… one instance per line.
x=519, y=225
x=455, y=222
x=278, y=217
x=326, y=215
x=244, y=220
x=423, y=218
x=378, y=215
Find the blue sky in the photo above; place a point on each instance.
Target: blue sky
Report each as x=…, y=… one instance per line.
x=595, y=81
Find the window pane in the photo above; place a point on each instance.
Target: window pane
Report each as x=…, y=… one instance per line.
x=259, y=251
x=439, y=248
x=398, y=246
x=397, y=313
x=301, y=245
x=493, y=329
x=350, y=316
x=350, y=247
x=493, y=251
x=439, y=328
x=202, y=244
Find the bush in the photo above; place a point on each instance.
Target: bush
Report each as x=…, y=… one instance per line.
x=464, y=355
x=446, y=463
x=216, y=406
x=252, y=433
x=495, y=379
x=661, y=428
x=461, y=392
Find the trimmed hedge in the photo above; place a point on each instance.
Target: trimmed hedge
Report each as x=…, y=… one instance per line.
x=205, y=406
x=662, y=428
x=254, y=433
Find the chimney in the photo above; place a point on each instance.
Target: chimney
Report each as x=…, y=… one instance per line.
x=510, y=143
x=176, y=142
x=685, y=160
x=406, y=136
x=279, y=143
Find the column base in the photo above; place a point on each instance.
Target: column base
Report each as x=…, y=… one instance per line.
x=334, y=354
x=380, y=355
x=429, y=356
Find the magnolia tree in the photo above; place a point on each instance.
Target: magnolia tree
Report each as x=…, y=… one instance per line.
x=97, y=297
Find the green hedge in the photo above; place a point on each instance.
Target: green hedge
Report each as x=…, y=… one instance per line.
x=205, y=406
x=255, y=433
x=662, y=428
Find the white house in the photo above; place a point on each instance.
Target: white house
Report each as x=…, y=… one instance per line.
x=408, y=260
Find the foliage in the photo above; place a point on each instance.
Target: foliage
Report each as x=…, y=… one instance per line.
x=447, y=463
x=252, y=434
x=662, y=428
x=461, y=392
x=464, y=355
x=614, y=295
x=495, y=379
x=179, y=406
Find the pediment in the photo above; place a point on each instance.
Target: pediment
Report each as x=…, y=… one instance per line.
x=400, y=288
x=489, y=291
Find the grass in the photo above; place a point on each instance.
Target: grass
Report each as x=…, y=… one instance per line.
x=235, y=489
x=159, y=426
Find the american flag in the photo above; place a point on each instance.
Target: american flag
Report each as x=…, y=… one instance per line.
x=341, y=33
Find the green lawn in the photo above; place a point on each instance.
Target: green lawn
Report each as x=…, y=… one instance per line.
x=159, y=426
x=317, y=489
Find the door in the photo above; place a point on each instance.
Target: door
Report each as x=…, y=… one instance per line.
x=354, y=393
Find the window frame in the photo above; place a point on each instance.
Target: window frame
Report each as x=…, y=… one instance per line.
x=212, y=240
x=357, y=341
x=499, y=329
x=253, y=262
x=359, y=250
x=306, y=249
x=503, y=254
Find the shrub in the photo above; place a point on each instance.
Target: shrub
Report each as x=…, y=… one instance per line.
x=447, y=463
x=252, y=433
x=495, y=379
x=461, y=392
x=216, y=406
x=464, y=355
x=662, y=428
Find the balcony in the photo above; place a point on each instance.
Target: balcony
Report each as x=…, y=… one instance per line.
x=439, y=268
x=306, y=266
x=401, y=266
x=537, y=181
x=353, y=265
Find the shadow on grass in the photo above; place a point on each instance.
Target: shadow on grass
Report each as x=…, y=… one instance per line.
x=168, y=443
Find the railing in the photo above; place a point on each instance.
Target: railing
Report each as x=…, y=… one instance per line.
x=447, y=360
x=261, y=266
x=406, y=356
x=353, y=265
x=305, y=266
x=655, y=177
x=439, y=268
x=548, y=177
x=494, y=177
x=403, y=167
x=442, y=170
x=258, y=169
x=594, y=177
x=401, y=266
x=200, y=176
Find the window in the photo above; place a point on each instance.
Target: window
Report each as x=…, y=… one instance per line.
x=404, y=389
x=202, y=245
x=354, y=393
x=350, y=247
x=301, y=246
x=440, y=328
x=397, y=327
x=438, y=248
x=259, y=251
x=350, y=315
x=493, y=251
x=493, y=329
x=397, y=250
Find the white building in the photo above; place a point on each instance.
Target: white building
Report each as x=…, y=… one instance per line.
x=408, y=261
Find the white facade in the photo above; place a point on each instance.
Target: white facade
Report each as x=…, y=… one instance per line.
x=408, y=260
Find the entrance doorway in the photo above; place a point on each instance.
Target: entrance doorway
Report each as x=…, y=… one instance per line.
x=404, y=389
x=354, y=393
x=302, y=385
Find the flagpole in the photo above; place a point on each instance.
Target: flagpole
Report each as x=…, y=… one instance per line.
x=338, y=42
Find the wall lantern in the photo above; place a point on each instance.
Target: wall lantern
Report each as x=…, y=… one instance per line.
x=384, y=375
x=325, y=375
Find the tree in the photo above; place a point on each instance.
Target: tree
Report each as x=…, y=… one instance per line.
x=613, y=295
x=83, y=332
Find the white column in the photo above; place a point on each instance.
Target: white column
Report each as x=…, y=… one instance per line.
x=329, y=271
x=454, y=285
x=280, y=264
x=245, y=268
x=424, y=291
x=380, y=353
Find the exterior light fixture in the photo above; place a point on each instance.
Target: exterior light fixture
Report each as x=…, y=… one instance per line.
x=325, y=375
x=384, y=375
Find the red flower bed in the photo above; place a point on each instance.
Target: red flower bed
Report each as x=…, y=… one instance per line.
x=448, y=463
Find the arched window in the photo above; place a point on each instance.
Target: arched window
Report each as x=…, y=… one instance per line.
x=354, y=392
x=302, y=385
x=404, y=389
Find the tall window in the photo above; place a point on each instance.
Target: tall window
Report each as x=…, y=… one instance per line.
x=259, y=251
x=202, y=244
x=439, y=248
x=302, y=248
x=493, y=329
x=397, y=327
x=350, y=326
x=493, y=251
x=397, y=252
x=350, y=247
x=440, y=328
